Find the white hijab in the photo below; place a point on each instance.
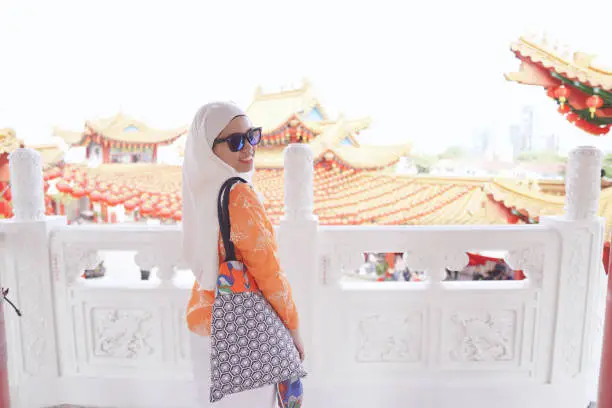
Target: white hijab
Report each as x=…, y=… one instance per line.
x=203, y=175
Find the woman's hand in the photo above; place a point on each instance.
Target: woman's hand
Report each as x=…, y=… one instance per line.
x=297, y=340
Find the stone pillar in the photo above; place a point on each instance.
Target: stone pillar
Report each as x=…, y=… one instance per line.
x=34, y=368
x=298, y=235
x=604, y=395
x=577, y=287
x=299, y=182
x=583, y=183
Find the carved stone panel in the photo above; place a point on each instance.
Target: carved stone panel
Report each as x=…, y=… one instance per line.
x=390, y=338
x=34, y=295
x=125, y=334
x=480, y=337
x=574, y=302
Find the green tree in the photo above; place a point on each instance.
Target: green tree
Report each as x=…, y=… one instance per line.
x=424, y=163
x=607, y=165
x=543, y=156
x=453, y=152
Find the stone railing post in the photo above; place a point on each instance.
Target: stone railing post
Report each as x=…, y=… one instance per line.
x=32, y=345
x=578, y=289
x=298, y=234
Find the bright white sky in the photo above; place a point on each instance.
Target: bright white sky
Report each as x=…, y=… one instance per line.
x=430, y=72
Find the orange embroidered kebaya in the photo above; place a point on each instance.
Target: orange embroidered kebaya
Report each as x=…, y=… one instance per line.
x=253, y=237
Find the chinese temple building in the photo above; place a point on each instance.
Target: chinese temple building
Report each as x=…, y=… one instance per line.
x=139, y=188
x=119, y=139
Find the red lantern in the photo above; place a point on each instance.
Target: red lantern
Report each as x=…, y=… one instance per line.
x=594, y=102
x=165, y=213
x=563, y=109
x=146, y=209
x=95, y=196
x=78, y=192
x=562, y=93
x=63, y=187
x=130, y=205
x=572, y=117
x=112, y=200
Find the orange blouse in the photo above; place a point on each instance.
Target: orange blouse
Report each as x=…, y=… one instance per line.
x=253, y=237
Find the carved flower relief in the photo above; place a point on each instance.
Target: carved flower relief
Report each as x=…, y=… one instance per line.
x=390, y=339
x=122, y=333
x=482, y=337
x=531, y=261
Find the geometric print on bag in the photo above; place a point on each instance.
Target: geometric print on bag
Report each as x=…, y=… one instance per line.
x=250, y=346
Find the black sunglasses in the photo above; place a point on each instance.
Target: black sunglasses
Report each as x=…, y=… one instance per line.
x=236, y=141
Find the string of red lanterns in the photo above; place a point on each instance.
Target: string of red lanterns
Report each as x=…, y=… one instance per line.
x=594, y=102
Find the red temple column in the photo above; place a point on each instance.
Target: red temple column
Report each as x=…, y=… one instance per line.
x=5, y=401
x=106, y=154
x=604, y=398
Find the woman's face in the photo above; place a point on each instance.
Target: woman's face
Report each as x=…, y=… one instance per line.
x=241, y=161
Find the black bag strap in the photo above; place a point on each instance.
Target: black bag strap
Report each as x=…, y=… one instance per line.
x=224, y=217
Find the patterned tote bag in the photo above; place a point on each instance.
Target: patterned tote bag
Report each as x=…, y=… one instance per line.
x=251, y=347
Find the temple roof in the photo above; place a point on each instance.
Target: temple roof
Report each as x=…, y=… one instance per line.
x=272, y=110
x=327, y=146
x=51, y=154
x=121, y=128
x=9, y=141
x=536, y=202
x=579, y=66
x=71, y=137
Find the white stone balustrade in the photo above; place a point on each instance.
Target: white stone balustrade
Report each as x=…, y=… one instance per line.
x=434, y=344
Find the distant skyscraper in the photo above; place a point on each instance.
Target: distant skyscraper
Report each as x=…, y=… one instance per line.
x=521, y=134
x=552, y=143
x=482, y=142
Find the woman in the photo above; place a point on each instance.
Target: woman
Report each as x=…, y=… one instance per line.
x=221, y=144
